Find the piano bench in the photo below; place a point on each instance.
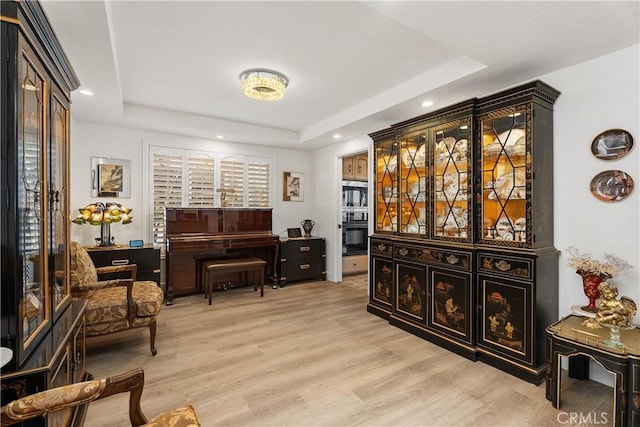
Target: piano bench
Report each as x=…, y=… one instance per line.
x=233, y=265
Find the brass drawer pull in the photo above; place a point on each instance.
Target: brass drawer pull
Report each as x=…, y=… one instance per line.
x=120, y=262
x=305, y=266
x=305, y=248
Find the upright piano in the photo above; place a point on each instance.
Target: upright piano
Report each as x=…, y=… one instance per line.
x=210, y=232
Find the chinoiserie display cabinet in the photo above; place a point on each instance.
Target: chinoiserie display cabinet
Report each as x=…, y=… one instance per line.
x=386, y=182
x=37, y=318
x=464, y=198
x=517, y=264
x=381, y=273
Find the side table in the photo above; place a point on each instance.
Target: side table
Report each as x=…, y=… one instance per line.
x=302, y=258
x=147, y=259
x=568, y=337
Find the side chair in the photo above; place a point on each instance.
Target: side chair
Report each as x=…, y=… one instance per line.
x=114, y=305
x=74, y=395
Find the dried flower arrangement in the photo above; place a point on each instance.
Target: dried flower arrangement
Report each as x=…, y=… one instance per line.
x=582, y=262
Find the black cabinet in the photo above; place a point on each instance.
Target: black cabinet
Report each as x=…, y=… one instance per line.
x=147, y=260
x=59, y=359
x=36, y=80
x=302, y=259
x=464, y=196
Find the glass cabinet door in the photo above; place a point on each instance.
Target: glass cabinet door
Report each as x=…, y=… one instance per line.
x=57, y=213
x=452, y=180
x=413, y=183
x=504, y=179
x=386, y=167
x=34, y=305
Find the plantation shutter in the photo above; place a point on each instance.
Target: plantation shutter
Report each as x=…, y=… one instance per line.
x=258, y=183
x=232, y=176
x=201, y=183
x=167, y=188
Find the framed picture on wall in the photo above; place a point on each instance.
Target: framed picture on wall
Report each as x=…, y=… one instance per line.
x=293, y=187
x=110, y=177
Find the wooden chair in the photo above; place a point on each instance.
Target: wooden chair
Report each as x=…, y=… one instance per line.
x=73, y=395
x=114, y=305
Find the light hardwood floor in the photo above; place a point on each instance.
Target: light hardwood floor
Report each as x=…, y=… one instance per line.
x=306, y=355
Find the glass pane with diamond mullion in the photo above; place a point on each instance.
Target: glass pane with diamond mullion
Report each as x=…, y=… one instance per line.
x=386, y=186
x=58, y=214
x=504, y=175
x=413, y=184
x=35, y=304
x=451, y=201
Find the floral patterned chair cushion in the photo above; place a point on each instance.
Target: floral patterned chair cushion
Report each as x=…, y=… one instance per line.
x=184, y=416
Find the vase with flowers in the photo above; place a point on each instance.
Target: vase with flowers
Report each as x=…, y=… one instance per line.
x=104, y=214
x=594, y=271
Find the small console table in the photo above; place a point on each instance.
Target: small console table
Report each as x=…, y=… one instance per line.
x=147, y=258
x=568, y=337
x=302, y=258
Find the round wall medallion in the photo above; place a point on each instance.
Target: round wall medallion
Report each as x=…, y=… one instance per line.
x=611, y=186
x=612, y=144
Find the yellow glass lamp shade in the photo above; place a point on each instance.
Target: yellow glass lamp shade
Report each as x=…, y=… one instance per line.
x=103, y=215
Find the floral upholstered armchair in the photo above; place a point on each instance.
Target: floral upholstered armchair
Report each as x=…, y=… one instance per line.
x=70, y=396
x=114, y=305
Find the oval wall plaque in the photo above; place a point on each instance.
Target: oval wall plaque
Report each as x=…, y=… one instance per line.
x=612, y=144
x=611, y=186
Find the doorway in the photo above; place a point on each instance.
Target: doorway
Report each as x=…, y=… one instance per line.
x=354, y=215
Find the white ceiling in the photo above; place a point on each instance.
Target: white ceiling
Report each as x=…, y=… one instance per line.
x=354, y=67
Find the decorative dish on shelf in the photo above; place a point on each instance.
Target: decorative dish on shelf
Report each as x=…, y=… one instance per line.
x=412, y=157
x=512, y=141
x=510, y=185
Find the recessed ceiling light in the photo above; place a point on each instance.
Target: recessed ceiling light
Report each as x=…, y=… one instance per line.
x=86, y=92
x=337, y=136
x=427, y=103
x=219, y=136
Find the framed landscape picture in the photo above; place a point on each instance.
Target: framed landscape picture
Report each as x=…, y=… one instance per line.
x=110, y=177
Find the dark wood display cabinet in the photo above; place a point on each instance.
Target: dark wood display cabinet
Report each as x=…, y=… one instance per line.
x=146, y=259
x=302, y=258
x=464, y=228
x=59, y=359
x=41, y=326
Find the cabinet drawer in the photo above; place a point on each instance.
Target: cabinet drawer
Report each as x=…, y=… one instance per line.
x=298, y=269
x=146, y=259
x=303, y=248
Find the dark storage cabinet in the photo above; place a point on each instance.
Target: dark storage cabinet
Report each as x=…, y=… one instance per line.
x=302, y=259
x=40, y=323
x=147, y=260
x=463, y=210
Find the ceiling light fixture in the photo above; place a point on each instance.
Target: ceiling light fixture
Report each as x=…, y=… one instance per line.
x=427, y=103
x=263, y=84
x=337, y=136
x=86, y=92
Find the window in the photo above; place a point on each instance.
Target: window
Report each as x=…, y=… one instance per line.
x=199, y=179
x=167, y=188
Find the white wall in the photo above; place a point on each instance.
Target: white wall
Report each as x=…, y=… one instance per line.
x=93, y=140
x=596, y=95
